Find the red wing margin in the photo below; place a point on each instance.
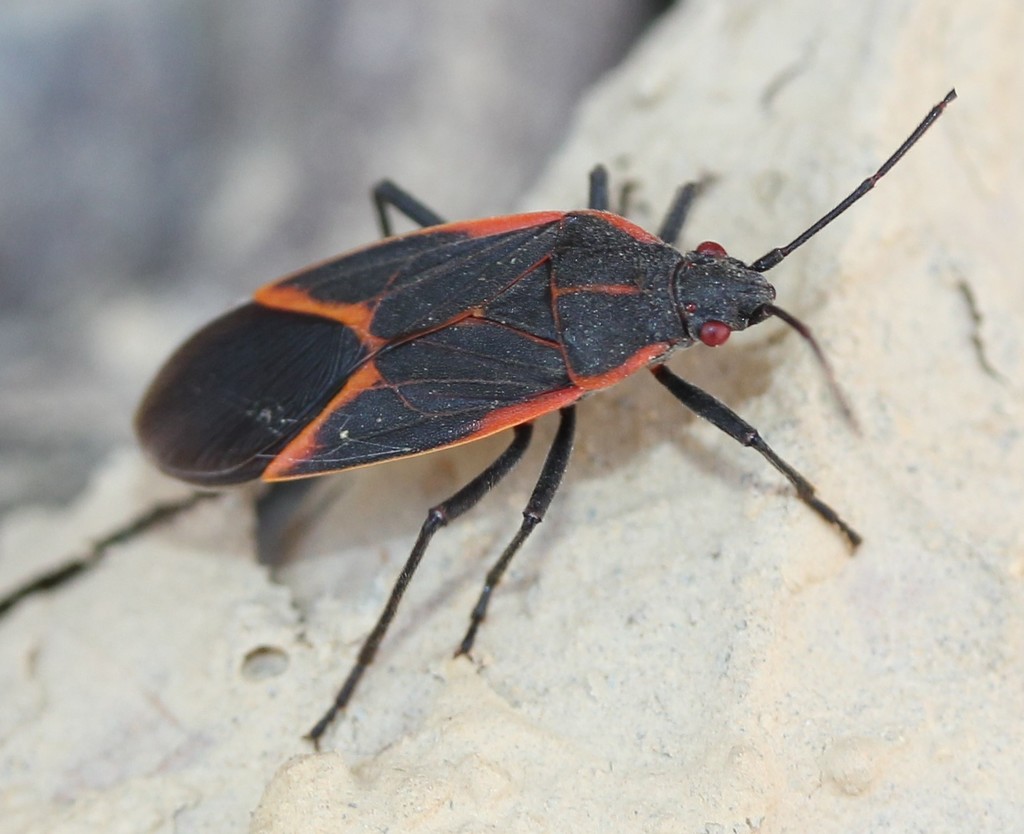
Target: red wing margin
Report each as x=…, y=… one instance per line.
x=422, y=280
x=439, y=389
x=379, y=354
x=234, y=395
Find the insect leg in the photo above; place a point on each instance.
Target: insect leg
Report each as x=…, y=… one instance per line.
x=724, y=418
x=599, y=199
x=598, y=189
x=543, y=492
x=437, y=517
x=675, y=217
x=386, y=193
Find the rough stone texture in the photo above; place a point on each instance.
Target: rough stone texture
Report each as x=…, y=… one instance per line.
x=682, y=646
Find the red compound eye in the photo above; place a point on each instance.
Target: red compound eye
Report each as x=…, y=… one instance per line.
x=714, y=333
x=709, y=247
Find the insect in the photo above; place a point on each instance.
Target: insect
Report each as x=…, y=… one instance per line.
x=453, y=333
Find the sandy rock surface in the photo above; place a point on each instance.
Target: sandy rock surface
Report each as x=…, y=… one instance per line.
x=682, y=646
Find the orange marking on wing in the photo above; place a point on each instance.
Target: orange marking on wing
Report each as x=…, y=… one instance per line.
x=496, y=225
x=304, y=446
x=497, y=421
x=513, y=415
x=641, y=359
x=603, y=289
x=292, y=299
x=630, y=228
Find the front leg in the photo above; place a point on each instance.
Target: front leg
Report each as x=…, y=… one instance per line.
x=720, y=415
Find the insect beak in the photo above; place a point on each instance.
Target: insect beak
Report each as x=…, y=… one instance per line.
x=766, y=310
x=761, y=313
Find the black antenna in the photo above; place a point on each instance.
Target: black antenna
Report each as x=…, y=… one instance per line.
x=771, y=259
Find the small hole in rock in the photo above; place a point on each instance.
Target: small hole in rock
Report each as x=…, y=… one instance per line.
x=264, y=662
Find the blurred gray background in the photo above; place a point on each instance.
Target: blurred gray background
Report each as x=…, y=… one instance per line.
x=162, y=159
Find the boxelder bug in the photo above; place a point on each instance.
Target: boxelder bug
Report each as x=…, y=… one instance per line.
x=453, y=333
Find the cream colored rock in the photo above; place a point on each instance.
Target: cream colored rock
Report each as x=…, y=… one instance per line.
x=682, y=646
